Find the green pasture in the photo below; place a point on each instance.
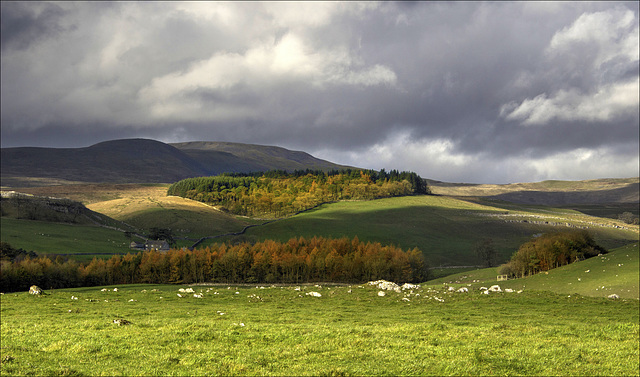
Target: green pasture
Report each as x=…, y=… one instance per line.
x=349, y=330
x=58, y=238
x=444, y=228
x=617, y=272
x=187, y=223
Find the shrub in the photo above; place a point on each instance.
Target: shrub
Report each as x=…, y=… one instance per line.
x=549, y=251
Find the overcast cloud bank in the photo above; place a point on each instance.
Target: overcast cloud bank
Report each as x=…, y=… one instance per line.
x=465, y=92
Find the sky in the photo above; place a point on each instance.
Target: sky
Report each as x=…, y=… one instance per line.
x=475, y=92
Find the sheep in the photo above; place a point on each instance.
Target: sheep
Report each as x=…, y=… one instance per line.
x=35, y=290
x=613, y=296
x=495, y=288
x=314, y=294
x=463, y=290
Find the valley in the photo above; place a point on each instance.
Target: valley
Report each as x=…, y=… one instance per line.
x=445, y=228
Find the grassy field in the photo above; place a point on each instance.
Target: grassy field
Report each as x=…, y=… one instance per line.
x=349, y=330
x=444, y=228
x=54, y=238
x=617, y=272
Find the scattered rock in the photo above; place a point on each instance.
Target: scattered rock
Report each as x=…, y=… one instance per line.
x=314, y=294
x=613, y=296
x=386, y=285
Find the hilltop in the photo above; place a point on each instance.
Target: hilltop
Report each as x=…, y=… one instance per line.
x=145, y=161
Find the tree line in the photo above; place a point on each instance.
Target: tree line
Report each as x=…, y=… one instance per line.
x=299, y=260
x=550, y=251
x=280, y=193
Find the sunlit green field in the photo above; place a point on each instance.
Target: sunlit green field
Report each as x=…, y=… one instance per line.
x=54, y=238
x=349, y=330
x=617, y=272
x=445, y=229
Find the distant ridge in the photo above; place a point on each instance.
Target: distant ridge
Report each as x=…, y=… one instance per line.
x=551, y=192
x=146, y=161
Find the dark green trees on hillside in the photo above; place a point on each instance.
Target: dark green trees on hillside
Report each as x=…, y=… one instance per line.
x=278, y=193
x=549, y=251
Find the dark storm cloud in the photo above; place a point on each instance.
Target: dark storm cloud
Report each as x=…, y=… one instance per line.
x=460, y=91
x=24, y=24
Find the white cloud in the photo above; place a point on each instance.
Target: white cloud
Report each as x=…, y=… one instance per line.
x=607, y=103
x=431, y=158
x=612, y=33
x=594, y=53
x=583, y=163
x=260, y=67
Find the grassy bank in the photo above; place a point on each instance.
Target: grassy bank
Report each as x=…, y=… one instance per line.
x=617, y=272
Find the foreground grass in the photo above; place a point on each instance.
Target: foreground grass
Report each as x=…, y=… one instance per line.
x=350, y=330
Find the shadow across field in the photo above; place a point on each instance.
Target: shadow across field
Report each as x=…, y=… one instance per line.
x=445, y=229
x=627, y=194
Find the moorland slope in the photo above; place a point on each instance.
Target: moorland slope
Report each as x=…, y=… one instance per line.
x=551, y=193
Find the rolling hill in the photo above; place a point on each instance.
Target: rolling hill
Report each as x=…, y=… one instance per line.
x=145, y=161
